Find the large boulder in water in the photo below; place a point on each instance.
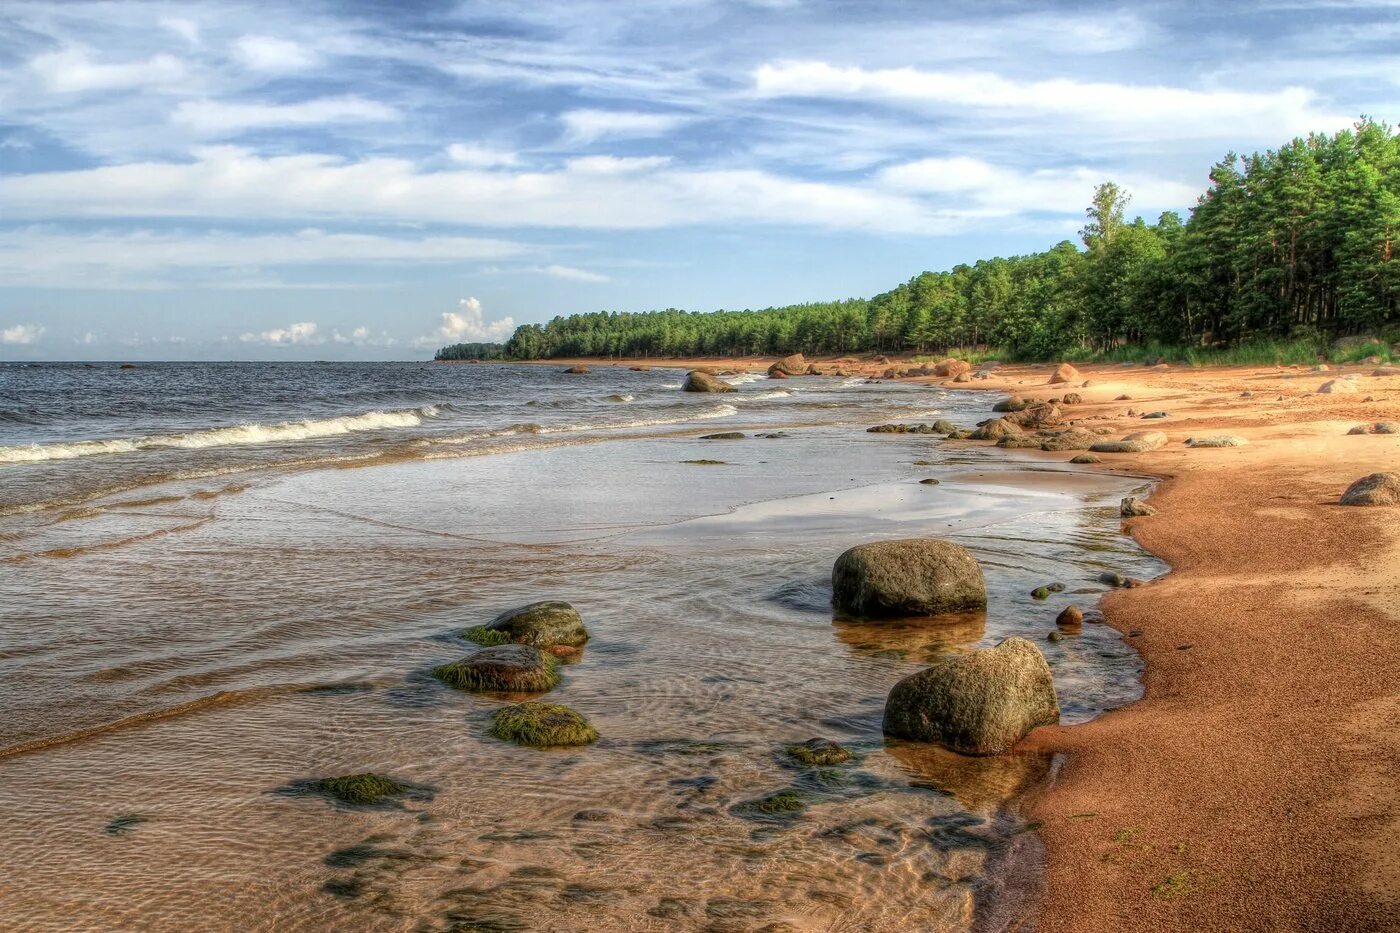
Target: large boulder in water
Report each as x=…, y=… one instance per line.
x=1065, y=373
x=979, y=703
x=1376, y=489
x=794, y=365
x=543, y=624
x=909, y=577
x=503, y=669
x=700, y=381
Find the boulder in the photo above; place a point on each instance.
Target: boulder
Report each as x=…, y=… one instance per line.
x=995, y=430
x=1135, y=443
x=1133, y=507
x=963, y=377
x=1020, y=442
x=700, y=381
x=1065, y=373
x=1379, y=427
x=1072, y=398
x=1340, y=386
x=1014, y=403
x=544, y=624
x=1386, y=371
x=1087, y=458
x=794, y=365
x=1040, y=415
x=910, y=577
x=979, y=703
x=502, y=668
x=777, y=374
x=952, y=367
x=1376, y=489
x=1073, y=439
x=943, y=426
x=812, y=370
x=1217, y=440
x=577, y=370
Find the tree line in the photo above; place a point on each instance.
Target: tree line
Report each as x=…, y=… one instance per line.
x=1293, y=243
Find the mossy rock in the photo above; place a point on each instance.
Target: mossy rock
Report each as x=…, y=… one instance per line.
x=783, y=804
x=502, y=668
x=542, y=725
x=818, y=752
x=723, y=436
x=360, y=789
x=543, y=625
x=943, y=426
x=911, y=577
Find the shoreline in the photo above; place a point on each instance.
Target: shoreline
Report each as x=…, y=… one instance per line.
x=1248, y=788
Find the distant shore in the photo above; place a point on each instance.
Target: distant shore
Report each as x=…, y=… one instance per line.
x=1253, y=785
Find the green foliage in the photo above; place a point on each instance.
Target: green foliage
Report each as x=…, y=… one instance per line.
x=485, y=635
x=1285, y=250
x=542, y=725
x=472, y=351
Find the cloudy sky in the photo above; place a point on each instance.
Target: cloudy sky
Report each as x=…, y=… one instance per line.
x=370, y=179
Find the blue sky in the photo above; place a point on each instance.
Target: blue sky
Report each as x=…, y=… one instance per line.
x=370, y=180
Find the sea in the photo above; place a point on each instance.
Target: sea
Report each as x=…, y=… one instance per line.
x=222, y=581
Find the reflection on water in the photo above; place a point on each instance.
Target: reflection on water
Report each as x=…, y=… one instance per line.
x=311, y=606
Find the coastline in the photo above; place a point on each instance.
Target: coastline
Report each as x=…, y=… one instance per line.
x=1250, y=787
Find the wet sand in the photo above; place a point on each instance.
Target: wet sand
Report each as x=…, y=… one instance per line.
x=1254, y=785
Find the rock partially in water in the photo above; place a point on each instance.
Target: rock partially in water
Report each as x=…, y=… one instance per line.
x=909, y=577
x=794, y=365
x=542, y=725
x=1133, y=507
x=1136, y=443
x=700, y=381
x=1070, y=618
x=542, y=624
x=723, y=436
x=1014, y=403
x=818, y=752
x=979, y=703
x=502, y=668
x=1375, y=489
x=578, y=370
x=943, y=426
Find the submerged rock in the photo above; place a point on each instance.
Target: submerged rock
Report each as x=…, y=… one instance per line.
x=979, y=703
x=543, y=624
x=814, y=752
x=1375, y=489
x=502, y=668
x=578, y=370
x=542, y=725
x=1135, y=443
x=359, y=789
x=723, y=436
x=910, y=577
x=700, y=381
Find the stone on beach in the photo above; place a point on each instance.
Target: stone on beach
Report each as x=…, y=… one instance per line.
x=1041, y=415
x=1087, y=458
x=952, y=367
x=1065, y=373
x=1014, y=403
x=909, y=577
x=1135, y=443
x=995, y=430
x=543, y=624
x=1133, y=507
x=502, y=668
x=700, y=381
x=1073, y=439
x=1217, y=440
x=1375, y=489
x=1379, y=427
x=979, y=703
x=1340, y=386
x=795, y=365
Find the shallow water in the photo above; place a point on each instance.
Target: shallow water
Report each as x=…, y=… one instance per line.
x=179, y=652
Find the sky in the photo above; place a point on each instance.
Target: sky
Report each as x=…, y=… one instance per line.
x=372, y=179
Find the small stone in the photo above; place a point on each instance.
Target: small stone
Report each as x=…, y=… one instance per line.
x=1071, y=617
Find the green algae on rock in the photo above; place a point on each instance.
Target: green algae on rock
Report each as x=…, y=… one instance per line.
x=542, y=725
x=543, y=624
x=503, y=668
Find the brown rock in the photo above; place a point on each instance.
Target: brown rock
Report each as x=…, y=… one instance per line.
x=1376, y=489
x=1065, y=373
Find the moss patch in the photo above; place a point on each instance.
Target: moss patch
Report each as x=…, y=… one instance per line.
x=815, y=752
x=783, y=803
x=484, y=635
x=542, y=725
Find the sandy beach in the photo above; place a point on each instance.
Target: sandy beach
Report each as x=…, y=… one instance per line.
x=1253, y=786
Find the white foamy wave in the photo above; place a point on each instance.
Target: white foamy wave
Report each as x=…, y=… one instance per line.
x=776, y=393
x=699, y=414
x=853, y=381
x=743, y=378
x=239, y=435
x=670, y=385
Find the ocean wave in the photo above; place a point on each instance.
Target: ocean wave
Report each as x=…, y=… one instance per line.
x=743, y=378
x=238, y=435
x=695, y=414
x=775, y=393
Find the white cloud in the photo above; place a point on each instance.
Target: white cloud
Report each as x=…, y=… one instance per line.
x=467, y=325
x=51, y=256
x=21, y=334
x=184, y=28
x=616, y=165
x=299, y=333
x=475, y=156
x=1164, y=110
x=573, y=274
x=996, y=191
x=359, y=336
x=586, y=126
x=72, y=70
x=274, y=55
x=217, y=118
